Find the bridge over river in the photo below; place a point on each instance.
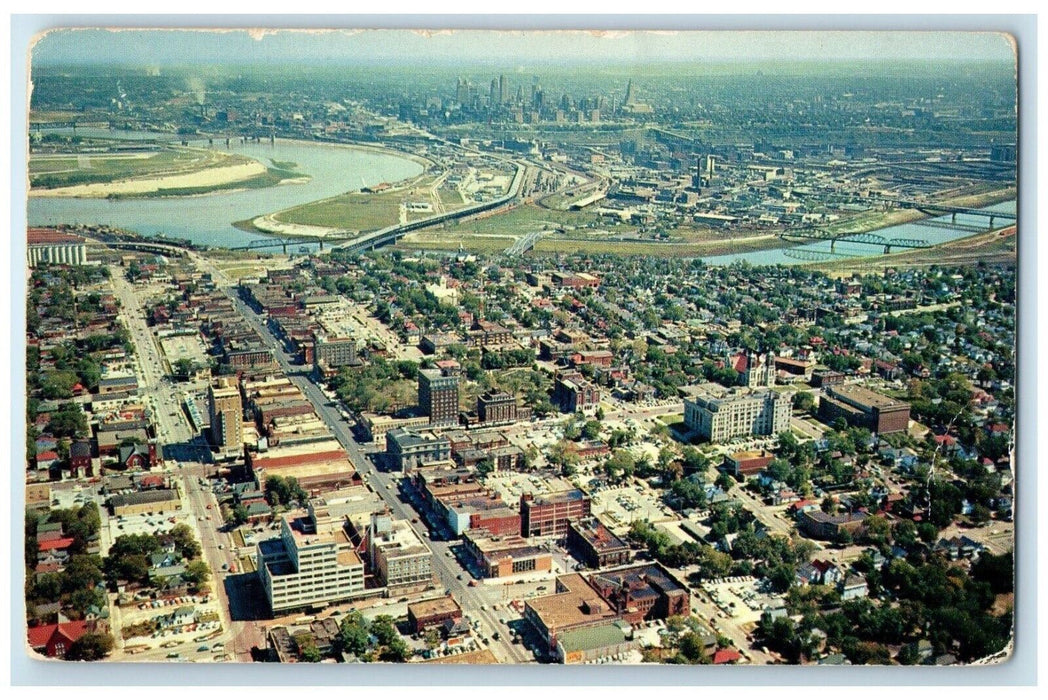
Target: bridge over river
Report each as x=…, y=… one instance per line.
x=872, y=239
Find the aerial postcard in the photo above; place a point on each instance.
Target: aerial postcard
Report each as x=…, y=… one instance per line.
x=520, y=347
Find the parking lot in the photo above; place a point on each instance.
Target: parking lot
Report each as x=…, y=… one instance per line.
x=741, y=598
x=620, y=506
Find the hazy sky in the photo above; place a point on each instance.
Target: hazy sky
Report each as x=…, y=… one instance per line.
x=165, y=47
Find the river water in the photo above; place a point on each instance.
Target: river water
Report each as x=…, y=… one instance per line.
x=207, y=219
x=932, y=231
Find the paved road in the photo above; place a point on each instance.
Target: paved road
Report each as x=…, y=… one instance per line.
x=154, y=387
x=474, y=599
x=176, y=433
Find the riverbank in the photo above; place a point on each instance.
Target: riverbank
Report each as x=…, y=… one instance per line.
x=499, y=232
x=214, y=170
x=998, y=246
x=270, y=225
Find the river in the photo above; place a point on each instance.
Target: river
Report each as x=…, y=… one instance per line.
x=207, y=219
x=933, y=231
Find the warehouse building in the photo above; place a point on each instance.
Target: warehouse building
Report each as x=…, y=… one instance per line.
x=865, y=409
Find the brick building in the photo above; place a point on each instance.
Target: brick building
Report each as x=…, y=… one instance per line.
x=438, y=396
x=596, y=546
x=645, y=592
x=573, y=393
x=498, y=556
x=433, y=613
x=823, y=526
x=496, y=407
x=864, y=408
x=747, y=463
x=545, y=516
x=822, y=377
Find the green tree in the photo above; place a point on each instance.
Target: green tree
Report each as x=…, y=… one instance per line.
x=90, y=647
x=309, y=652
x=353, y=633
x=591, y=429
x=68, y=421
x=238, y=515
x=183, y=367
x=692, y=648
x=996, y=570
x=804, y=401
x=485, y=466
x=197, y=572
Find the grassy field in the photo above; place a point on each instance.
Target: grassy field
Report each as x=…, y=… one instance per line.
x=523, y=220
x=361, y=211
x=451, y=197
x=60, y=170
x=496, y=233
x=474, y=244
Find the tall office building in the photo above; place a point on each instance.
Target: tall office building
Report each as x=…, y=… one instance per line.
x=438, y=396
x=717, y=414
x=630, y=97
x=310, y=565
x=503, y=89
x=227, y=413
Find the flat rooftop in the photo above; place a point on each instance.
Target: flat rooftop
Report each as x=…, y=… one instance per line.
x=577, y=603
x=865, y=397
x=598, y=536
x=436, y=606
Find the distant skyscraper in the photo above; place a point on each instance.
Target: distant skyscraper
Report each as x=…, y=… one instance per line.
x=630, y=97
x=503, y=89
x=493, y=94
x=462, y=91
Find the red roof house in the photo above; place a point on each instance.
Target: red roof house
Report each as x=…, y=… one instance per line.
x=55, y=640
x=726, y=656
x=59, y=544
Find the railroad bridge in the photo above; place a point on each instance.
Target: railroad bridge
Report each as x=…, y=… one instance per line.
x=943, y=209
x=862, y=238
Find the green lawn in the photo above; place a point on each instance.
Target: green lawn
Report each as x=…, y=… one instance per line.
x=359, y=212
